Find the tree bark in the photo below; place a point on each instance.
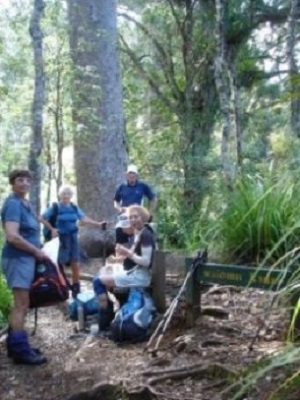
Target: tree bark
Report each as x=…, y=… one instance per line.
x=100, y=146
x=36, y=144
x=223, y=88
x=235, y=88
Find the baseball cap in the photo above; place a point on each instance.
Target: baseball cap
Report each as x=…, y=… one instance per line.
x=123, y=221
x=132, y=168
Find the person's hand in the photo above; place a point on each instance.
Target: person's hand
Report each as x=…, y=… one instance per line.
x=114, y=259
x=103, y=225
x=123, y=251
x=40, y=255
x=121, y=210
x=54, y=233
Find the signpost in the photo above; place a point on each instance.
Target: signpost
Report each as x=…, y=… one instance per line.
x=235, y=275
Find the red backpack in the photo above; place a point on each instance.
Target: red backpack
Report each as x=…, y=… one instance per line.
x=49, y=286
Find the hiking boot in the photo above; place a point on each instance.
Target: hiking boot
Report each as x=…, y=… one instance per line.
x=105, y=316
x=19, y=349
x=75, y=288
x=33, y=349
x=29, y=359
x=10, y=350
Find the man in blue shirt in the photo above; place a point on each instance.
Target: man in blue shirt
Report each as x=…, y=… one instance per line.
x=133, y=192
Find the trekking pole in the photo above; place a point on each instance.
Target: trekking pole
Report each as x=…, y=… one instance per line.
x=164, y=323
x=104, y=228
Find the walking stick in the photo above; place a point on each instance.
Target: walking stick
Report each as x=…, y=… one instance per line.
x=164, y=323
x=104, y=228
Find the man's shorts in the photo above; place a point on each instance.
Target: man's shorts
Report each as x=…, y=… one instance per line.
x=68, y=248
x=19, y=272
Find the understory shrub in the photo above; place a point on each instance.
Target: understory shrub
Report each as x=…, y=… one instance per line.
x=260, y=220
x=5, y=302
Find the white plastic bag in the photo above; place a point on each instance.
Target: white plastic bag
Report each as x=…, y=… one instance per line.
x=51, y=249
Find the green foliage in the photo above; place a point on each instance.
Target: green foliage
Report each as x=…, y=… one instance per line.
x=6, y=298
x=5, y=301
x=260, y=219
x=249, y=378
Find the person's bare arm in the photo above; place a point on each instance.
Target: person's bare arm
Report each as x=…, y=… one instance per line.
x=91, y=222
x=13, y=237
x=118, y=207
x=144, y=260
x=52, y=229
x=153, y=205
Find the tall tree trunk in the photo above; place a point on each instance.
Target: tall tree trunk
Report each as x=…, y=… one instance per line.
x=223, y=88
x=59, y=128
x=196, y=113
x=36, y=144
x=237, y=104
x=100, y=146
x=294, y=75
x=196, y=124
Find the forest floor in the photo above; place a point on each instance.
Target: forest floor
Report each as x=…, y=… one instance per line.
x=217, y=348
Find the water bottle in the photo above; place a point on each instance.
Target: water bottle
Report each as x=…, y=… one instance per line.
x=80, y=313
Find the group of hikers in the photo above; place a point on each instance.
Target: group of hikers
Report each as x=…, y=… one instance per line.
x=135, y=244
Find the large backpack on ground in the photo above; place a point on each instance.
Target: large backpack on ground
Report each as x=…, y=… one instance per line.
x=49, y=286
x=133, y=321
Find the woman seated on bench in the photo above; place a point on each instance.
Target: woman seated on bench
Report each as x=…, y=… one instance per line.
x=139, y=257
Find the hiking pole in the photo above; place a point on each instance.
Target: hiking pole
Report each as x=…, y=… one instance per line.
x=164, y=323
x=104, y=228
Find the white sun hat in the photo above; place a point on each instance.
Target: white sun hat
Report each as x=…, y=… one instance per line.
x=132, y=168
x=123, y=221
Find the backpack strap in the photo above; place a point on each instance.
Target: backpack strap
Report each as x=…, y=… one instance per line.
x=35, y=321
x=75, y=207
x=54, y=216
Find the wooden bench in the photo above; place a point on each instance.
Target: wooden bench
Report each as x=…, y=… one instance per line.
x=234, y=275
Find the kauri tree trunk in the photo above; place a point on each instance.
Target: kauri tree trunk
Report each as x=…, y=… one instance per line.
x=36, y=144
x=100, y=148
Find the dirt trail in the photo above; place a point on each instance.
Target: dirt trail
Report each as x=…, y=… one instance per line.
x=78, y=364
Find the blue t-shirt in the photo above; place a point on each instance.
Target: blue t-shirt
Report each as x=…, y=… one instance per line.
x=14, y=210
x=67, y=217
x=128, y=195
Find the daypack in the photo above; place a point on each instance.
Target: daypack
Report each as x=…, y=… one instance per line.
x=53, y=219
x=49, y=286
x=133, y=321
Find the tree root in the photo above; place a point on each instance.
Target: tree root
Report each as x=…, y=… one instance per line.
x=198, y=370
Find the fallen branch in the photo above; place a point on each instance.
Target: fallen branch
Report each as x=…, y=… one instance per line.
x=203, y=371
x=220, y=288
x=76, y=358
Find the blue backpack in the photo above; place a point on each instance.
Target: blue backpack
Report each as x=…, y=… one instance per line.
x=133, y=321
